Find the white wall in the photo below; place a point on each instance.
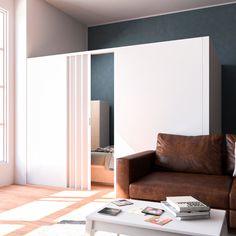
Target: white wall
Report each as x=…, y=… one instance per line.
x=20, y=91
x=7, y=169
x=164, y=89
x=50, y=31
x=40, y=30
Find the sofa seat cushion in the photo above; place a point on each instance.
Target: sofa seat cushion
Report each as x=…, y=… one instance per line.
x=210, y=189
x=232, y=196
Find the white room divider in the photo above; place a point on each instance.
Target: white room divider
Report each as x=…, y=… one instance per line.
x=172, y=87
x=58, y=113
x=47, y=121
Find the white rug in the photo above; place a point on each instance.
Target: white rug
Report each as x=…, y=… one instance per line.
x=59, y=229
x=64, y=230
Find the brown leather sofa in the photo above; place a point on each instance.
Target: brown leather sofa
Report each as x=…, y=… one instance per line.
x=200, y=166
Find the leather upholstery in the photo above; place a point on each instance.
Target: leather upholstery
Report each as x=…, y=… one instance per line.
x=192, y=154
x=232, y=219
x=137, y=178
x=210, y=189
x=132, y=168
x=230, y=158
x=232, y=196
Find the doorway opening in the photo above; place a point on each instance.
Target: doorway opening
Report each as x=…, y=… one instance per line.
x=102, y=119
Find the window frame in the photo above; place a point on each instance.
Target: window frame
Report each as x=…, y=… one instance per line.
x=5, y=86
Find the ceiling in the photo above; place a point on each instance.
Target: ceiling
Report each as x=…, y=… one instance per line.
x=98, y=12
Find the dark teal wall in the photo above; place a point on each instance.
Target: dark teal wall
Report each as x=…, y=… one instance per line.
x=102, y=84
x=217, y=22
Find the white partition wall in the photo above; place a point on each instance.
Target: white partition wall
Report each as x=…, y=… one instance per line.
x=58, y=113
x=172, y=87
x=163, y=87
x=47, y=121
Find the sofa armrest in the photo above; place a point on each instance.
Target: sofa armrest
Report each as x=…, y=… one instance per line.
x=131, y=168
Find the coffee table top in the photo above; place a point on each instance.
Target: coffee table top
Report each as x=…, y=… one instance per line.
x=204, y=227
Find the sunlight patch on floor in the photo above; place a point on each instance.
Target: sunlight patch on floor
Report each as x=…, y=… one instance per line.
x=71, y=229
x=77, y=193
x=110, y=195
x=44, y=212
x=8, y=228
x=59, y=230
x=61, y=199
x=64, y=230
x=105, y=200
x=82, y=212
x=34, y=211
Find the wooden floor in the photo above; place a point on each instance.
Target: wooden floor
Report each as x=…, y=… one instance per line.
x=25, y=208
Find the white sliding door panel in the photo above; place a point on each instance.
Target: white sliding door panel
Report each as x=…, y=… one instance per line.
x=86, y=125
x=158, y=88
x=79, y=127
x=47, y=121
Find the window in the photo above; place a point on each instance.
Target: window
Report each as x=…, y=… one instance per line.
x=3, y=84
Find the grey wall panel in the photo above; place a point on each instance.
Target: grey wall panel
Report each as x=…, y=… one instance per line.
x=102, y=84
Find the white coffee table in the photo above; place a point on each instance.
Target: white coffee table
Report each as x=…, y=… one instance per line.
x=134, y=225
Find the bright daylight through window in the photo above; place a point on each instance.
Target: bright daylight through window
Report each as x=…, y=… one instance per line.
x=3, y=85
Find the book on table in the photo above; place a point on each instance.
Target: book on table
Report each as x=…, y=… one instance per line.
x=158, y=221
x=193, y=217
x=152, y=211
x=122, y=202
x=187, y=203
x=177, y=213
x=110, y=211
x=188, y=215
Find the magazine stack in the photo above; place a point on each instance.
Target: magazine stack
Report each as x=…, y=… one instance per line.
x=186, y=208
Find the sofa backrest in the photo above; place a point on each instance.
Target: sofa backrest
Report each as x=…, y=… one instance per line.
x=193, y=154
